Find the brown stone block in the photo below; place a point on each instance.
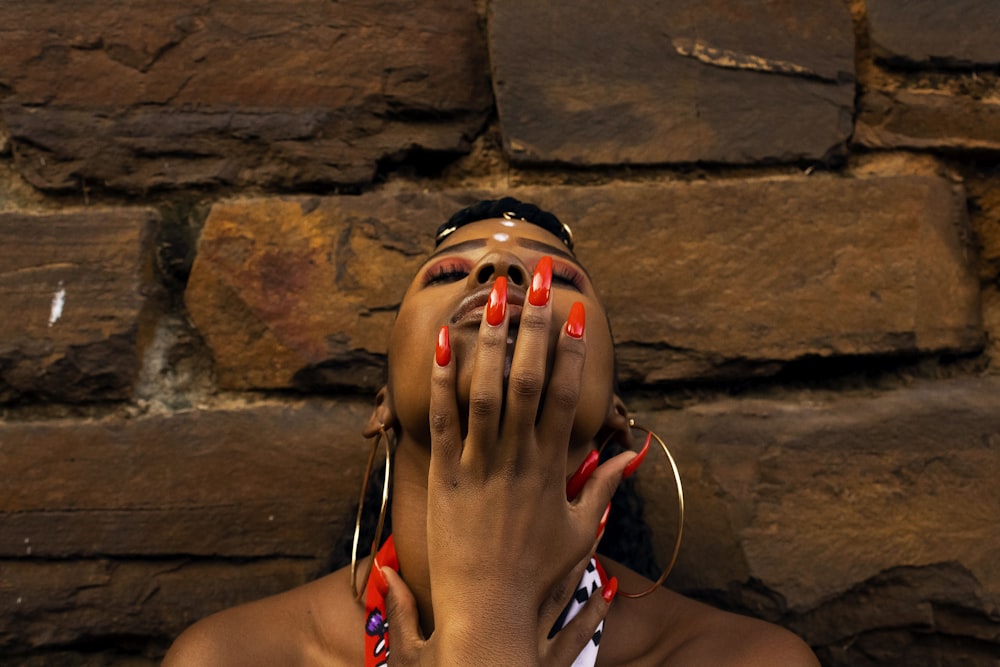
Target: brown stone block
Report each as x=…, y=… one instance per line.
x=262, y=480
x=58, y=603
x=72, y=289
x=142, y=94
x=702, y=279
x=844, y=516
x=914, y=118
x=651, y=82
x=961, y=32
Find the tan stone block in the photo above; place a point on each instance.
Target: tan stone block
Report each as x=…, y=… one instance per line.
x=255, y=481
x=706, y=279
x=139, y=95
x=841, y=516
x=72, y=285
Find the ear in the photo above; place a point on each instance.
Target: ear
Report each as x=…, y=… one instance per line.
x=382, y=414
x=616, y=424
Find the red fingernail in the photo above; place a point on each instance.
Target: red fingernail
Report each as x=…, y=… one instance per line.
x=609, y=590
x=575, y=483
x=443, y=351
x=541, y=283
x=496, y=308
x=604, y=522
x=381, y=585
x=575, y=321
x=634, y=464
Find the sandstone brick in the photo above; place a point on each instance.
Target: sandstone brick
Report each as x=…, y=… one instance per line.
x=142, y=95
x=697, y=277
x=962, y=32
x=925, y=118
x=849, y=518
x=258, y=481
x=646, y=82
x=59, y=603
x=72, y=285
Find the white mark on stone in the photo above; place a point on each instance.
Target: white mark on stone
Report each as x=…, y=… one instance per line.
x=58, y=301
x=270, y=517
x=27, y=540
x=27, y=551
x=501, y=237
x=729, y=59
x=19, y=599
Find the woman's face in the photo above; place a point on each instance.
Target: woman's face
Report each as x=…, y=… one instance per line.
x=451, y=288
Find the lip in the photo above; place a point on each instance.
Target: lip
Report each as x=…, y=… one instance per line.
x=471, y=308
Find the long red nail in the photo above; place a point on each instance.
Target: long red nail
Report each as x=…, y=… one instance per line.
x=443, y=351
x=609, y=590
x=381, y=585
x=634, y=464
x=576, y=320
x=575, y=483
x=496, y=308
x=541, y=282
x=604, y=522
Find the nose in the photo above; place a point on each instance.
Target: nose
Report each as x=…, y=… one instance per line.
x=494, y=265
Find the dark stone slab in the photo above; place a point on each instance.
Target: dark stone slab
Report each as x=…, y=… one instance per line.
x=142, y=95
x=646, y=82
x=956, y=33
x=72, y=287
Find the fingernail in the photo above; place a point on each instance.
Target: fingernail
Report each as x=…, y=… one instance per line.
x=604, y=522
x=541, y=283
x=496, y=308
x=576, y=320
x=381, y=585
x=634, y=464
x=443, y=352
x=609, y=590
x=575, y=483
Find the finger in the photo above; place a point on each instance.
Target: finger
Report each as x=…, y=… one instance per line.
x=401, y=618
x=486, y=390
x=563, y=393
x=583, y=629
x=527, y=370
x=592, y=503
x=557, y=603
x=445, y=422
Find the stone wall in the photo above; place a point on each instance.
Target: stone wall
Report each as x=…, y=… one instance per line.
x=208, y=212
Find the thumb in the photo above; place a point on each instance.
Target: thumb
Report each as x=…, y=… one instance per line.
x=402, y=618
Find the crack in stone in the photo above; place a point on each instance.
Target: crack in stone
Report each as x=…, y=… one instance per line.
x=729, y=59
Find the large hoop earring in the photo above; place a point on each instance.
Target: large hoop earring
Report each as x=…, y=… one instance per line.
x=680, y=511
x=381, y=515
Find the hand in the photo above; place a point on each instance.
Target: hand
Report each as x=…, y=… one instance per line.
x=502, y=538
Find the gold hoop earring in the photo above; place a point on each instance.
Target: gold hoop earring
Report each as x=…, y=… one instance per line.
x=381, y=515
x=680, y=511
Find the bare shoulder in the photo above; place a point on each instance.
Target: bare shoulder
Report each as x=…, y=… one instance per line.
x=666, y=628
x=304, y=626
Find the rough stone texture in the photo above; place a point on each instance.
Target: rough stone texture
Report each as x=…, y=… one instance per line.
x=698, y=280
x=959, y=32
x=253, y=482
x=868, y=524
x=927, y=118
x=72, y=289
x=648, y=82
x=991, y=320
x=45, y=603
x=147, y=94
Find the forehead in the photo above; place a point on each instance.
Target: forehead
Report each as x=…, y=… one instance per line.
x=517, y=233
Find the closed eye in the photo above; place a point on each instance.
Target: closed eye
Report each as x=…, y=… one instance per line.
x=446, y=271
x=565, y=274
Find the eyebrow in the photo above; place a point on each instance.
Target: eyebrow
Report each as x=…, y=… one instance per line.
x=531, y=244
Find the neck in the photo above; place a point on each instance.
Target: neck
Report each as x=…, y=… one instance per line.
x=409, y=524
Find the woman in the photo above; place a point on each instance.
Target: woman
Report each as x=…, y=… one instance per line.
x=500, y=389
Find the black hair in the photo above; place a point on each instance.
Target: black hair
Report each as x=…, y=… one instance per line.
x=506, y=207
